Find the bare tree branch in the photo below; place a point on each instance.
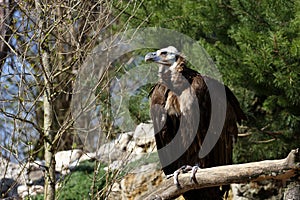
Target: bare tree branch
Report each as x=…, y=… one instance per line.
x=240, y=173
x=13, y=116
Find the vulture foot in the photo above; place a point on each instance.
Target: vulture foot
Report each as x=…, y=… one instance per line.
x=184, y=169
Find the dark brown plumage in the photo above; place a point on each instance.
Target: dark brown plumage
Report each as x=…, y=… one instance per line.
x=181, y=113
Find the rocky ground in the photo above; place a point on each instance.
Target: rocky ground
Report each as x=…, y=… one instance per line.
x=133, y=152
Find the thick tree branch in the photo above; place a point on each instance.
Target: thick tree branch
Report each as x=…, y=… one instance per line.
x=240, y=173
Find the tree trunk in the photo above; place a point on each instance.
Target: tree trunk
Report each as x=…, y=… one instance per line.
x=5, y=17
x=49, y=134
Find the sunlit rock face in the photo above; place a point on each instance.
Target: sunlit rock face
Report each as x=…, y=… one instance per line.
x=137, y=182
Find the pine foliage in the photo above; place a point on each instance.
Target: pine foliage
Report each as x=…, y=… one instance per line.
x=256, y=46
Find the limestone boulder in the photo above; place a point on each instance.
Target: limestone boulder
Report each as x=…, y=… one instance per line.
x=144, y=138
x=67, y=160
x=137, y=182
x=25, y=190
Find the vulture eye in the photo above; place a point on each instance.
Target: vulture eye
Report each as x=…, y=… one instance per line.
x=164, y=53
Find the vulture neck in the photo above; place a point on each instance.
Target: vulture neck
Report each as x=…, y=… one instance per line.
x=173, y=78
x=164, y=72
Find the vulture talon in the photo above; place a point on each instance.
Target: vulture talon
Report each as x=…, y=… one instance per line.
x=170, y=175
x=186, y=168
x=175, y=178
x=193, y=174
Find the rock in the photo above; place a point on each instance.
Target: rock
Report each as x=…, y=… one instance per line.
x=144, y=138
x=87, y=156
x=109, y=152
x=34, y=173
x=137, y=182
x=66, y=160
x=13, y=175
x=122, y=141
x=236, y=192
x=128, y=145
x=268, y=190
x=292, y=191
x=24, y=190
x=126, y=149
x=9, y=169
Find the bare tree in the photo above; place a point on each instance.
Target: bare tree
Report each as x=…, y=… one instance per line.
x=50, y=41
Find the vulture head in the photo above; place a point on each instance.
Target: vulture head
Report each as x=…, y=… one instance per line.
x=166, y=56
x=171, y=65
x=170, y=60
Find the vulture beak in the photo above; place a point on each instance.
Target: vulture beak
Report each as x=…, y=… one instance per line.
x=152, y=56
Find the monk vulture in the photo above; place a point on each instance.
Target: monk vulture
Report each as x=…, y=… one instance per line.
x=181, y=110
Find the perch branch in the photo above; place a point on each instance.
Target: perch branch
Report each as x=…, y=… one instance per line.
x=223, y=175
